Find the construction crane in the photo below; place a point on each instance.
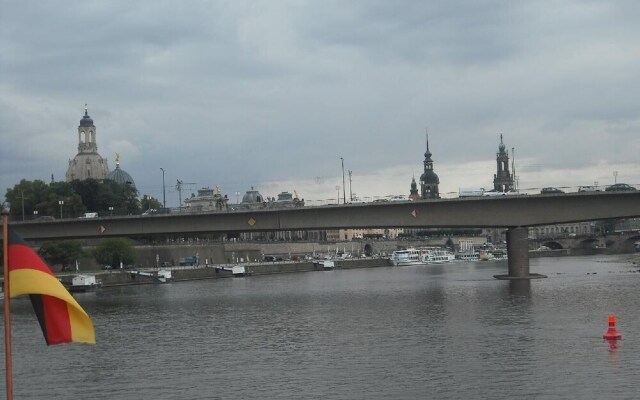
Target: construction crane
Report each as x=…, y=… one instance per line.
x=180, y=186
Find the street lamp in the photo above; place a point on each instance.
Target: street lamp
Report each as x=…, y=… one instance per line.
x=61, y=204
x=615, y=177
x=350, y=192
x=164, y=199
x=111, y=211
x=35, y=214
x=344, y=193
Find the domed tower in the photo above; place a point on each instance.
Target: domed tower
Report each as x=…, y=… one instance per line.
x=429, y=181
x=413, y=194
x=119, y=175
x=502, y=180
x=87, y=163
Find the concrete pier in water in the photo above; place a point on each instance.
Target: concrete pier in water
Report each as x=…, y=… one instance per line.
x=518, y=253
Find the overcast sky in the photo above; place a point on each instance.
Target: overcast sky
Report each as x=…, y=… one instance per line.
x=271, y=94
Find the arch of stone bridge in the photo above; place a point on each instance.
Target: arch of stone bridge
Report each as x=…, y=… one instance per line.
x=553, y=245
x=627, y=245
x=588, y=243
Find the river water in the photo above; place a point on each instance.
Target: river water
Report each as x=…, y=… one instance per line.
x=441, y=331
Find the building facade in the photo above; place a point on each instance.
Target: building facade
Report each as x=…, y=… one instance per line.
x=87, y=163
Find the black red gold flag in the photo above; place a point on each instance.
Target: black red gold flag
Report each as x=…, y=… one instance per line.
x=60, y=316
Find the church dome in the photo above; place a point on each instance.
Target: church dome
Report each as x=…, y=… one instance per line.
x=252, y=196
x=121, y=176
x=86, y=121
x=429, y=177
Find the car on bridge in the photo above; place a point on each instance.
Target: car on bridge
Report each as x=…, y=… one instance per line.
x=551, y=190
x=619, y=187
x=588, y=189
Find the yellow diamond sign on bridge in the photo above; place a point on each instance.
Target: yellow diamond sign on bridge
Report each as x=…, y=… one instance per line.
x=251, y=221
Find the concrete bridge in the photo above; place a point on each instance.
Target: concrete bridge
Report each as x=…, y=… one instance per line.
x=513, y=212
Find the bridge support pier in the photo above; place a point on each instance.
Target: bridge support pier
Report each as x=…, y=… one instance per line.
x=518, y=254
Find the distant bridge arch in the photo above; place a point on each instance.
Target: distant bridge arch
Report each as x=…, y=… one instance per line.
x=590, y=243
x=627, y=245
x=553, y=245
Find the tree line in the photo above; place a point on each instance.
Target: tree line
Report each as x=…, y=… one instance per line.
x=30, y=200
x=65, y=253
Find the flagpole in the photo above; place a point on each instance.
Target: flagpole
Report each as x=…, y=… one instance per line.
x=7, y=306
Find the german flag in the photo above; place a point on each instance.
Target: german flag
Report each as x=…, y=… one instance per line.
x=61, y=318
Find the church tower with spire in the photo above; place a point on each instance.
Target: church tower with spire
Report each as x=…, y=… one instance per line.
x=413, y=193
x=502, y=180
x=87, y=163
x=429, y=181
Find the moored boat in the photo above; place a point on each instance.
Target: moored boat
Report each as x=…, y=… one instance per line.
x=486, y=255
x=164, y=276
x=499, y=254
x=407, y=257
x=435, y=255
x=328, y=264
x=467, y=256
x=83, y=283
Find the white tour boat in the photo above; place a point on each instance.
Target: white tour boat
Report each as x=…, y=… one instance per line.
x=407, y=257
x=433, y=255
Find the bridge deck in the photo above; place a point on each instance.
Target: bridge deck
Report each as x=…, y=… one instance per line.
x=502, y=211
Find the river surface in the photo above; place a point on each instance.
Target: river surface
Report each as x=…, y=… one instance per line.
x=440, y=331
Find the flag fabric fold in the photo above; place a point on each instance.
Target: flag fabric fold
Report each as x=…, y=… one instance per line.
x=60, y=316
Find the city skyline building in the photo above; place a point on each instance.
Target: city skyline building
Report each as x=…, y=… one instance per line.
x=119, y=175
x=429, y=180
x=413, y=193
x=503, y=178
x=88, y=163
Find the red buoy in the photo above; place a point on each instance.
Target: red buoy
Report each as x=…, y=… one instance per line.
x=612, y=333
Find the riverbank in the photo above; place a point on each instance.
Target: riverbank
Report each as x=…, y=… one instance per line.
x=190, y=273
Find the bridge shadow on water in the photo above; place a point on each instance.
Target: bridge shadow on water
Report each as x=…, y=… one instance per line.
x=520, y=288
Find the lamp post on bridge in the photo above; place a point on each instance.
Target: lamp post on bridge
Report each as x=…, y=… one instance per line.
x=61, y=202
x=344, y=193
x=164, y=198
x=350, y=192
x=615, y=177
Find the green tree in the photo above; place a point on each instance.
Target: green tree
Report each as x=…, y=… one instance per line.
x=606, y=226
x=32, y=199
x=27, y=196
x=114, y=251
x=61, y=252
x=37, y=196
x=100, y=196
x=149, y=202
x=91, y=193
